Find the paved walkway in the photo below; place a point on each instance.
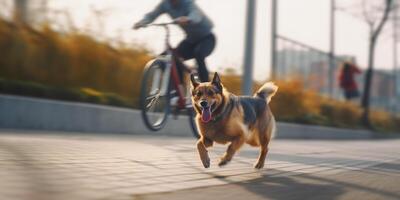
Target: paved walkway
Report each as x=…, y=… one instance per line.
x=44, y=166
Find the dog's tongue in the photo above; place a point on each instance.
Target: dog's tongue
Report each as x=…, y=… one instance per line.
x=206, y=114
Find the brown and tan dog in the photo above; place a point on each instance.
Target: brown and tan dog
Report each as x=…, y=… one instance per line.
x=224, y=118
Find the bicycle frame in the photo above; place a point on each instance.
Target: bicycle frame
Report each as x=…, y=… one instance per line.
x=165, y=79
x=171, y=68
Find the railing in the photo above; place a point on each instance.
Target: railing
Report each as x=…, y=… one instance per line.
x=296, y=60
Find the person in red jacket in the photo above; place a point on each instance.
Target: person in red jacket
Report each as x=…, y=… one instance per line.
x=347, y=81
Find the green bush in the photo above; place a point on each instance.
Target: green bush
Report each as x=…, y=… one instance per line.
x=383, y=121
x=293, y=103
x=341, y=114
x=79, y=95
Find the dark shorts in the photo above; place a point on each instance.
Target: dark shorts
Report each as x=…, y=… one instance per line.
x=201, y=48
x=349, y=94
x=198, y=50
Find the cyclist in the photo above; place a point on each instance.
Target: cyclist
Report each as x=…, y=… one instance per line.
x=200, y=40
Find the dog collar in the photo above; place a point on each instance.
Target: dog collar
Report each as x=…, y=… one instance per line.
x=227, y=110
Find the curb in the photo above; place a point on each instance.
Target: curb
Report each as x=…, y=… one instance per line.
x=52, y=115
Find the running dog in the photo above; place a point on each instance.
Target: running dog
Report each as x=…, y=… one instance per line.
x=223, y=117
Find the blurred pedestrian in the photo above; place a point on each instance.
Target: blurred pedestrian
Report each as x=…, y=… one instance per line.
x=347, y=80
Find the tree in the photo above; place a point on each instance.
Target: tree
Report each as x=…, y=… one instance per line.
x=21, y=10
x=376, y=24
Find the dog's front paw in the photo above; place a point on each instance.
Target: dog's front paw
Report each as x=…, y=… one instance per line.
x=259, y=165
x=206, y=162
x=223, y=162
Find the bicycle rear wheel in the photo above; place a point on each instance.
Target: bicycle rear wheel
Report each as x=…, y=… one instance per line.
x=154, y=95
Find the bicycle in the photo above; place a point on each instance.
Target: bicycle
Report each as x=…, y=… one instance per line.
x=159, y=83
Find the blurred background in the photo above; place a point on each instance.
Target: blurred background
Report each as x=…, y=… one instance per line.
x=86, y=51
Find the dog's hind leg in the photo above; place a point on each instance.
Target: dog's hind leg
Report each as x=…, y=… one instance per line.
x=265, y=134
x=262, y=156
x=232, y=148
x=264, y=142
x=202, y=145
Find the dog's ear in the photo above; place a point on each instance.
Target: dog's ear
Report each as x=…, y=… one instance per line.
x=216, y=81
x=193, y=81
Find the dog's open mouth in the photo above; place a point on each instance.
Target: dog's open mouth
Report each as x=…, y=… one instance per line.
x=206, y=114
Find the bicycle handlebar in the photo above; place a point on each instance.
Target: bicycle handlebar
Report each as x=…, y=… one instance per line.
x=167, y=35
x=160, y=24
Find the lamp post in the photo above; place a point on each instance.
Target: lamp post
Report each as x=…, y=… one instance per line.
x=247, y=80
x=274, y=20
x=332, y=49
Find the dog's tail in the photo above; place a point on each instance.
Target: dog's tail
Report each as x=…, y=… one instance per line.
x=267, y=91
x=273, y=124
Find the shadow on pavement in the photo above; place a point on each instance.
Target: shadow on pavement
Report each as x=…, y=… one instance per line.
x=265, y=187
x=291, y=187
x=285, y=187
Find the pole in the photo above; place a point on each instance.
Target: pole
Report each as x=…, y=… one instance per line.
x=274, y=19
x=247, y=83
x=332, y=50
x=396, y=80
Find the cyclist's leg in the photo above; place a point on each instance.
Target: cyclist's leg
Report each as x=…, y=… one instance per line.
x=185, y=51
x=203, y=49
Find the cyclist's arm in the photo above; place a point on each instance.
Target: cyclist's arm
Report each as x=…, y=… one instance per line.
x=151, y=16
x=195, y=14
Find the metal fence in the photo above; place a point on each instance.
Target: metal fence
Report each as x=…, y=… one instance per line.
x=296, y=60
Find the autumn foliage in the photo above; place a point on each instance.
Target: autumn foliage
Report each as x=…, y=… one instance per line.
x=71, y=60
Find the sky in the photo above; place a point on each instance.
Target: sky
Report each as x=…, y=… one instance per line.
x=306, y=21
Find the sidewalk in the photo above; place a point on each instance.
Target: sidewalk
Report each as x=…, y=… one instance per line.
x=77, y=166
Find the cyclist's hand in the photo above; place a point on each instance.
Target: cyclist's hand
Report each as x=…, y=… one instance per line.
x=138, y=25
x=182, y=20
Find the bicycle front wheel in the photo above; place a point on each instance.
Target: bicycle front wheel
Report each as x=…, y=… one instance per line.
x=192, y=121
x=154, y=95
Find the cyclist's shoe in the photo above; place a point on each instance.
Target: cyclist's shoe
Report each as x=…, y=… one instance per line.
x=174, y=101
x=154, y=92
